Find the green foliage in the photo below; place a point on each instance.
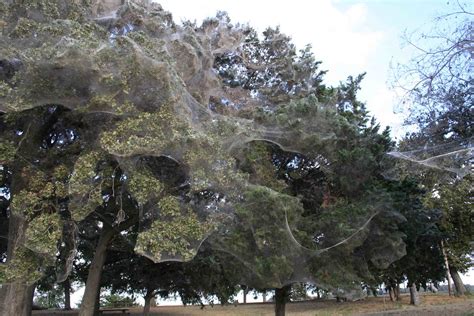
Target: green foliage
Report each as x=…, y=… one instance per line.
x=85, y=185
x=43, y=234
x=272, y=66
x=7, y=152
x=173, y=234
x=51, y=298
x=263, y=238
x=258, y=163
x=38, y=205
x=286, y=162
x=115, y=300
x=423, y=262
x=454, y=200
x=25, y=266
x=162, y=130
x=144, y=186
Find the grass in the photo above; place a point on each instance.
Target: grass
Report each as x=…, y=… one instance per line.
x=432, y=304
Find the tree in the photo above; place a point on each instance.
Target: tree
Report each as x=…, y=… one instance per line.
x=35, y=190
x=109, y=127
x=202, y=278
x=270, y=68
x=438, y=85
x=278, y=254
x=423, y=262
x=453, y=200
x=439, y=66
x=51, y=294
x=437, y=90
x=114, y=300
x=442, y=143
x=67, y=82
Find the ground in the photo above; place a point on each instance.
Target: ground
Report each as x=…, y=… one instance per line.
x=438, y=304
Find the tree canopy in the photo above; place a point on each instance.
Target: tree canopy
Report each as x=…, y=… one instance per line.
x=128, y=132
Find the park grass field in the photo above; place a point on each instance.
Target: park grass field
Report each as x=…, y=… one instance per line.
x=432, y=304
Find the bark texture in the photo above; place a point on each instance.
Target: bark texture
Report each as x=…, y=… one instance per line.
x=390, y=293
x=149, y=301
x=458, y=284
x=397, y=292
x=16, y=298
x=89, y=300
x=281, y=297
x=146, y=308
x=67, y=294
x=446, y=263
x=414, y=297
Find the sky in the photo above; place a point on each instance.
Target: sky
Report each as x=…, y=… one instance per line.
x=349, y=37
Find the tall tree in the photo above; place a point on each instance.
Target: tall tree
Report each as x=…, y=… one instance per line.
x=102, y=109
x=440, y=63
x=438, y=88
x=454, y=201
x=423, y=262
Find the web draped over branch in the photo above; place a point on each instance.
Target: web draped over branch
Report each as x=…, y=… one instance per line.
x=455, y=157
x=131, y=96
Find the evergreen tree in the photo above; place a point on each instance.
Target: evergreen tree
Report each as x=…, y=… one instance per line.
x=111, y=126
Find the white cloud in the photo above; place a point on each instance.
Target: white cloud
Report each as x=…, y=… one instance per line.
x=357, y=14
x=338, y=36
x=380, y=102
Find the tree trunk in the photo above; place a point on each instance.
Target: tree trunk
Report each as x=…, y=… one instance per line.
x=16, y=298
x=146, y=308
x=97, y=303
x=150, y=295
x=391, y=294
x=374, y=292
x=245, y=294
x=67, y=294
x=281, y=296
x=446, y=263
x=89, y=300
x=264, y=296
x=414, y=298
x=30, y=294
x=459, y=286
x=397, y=292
